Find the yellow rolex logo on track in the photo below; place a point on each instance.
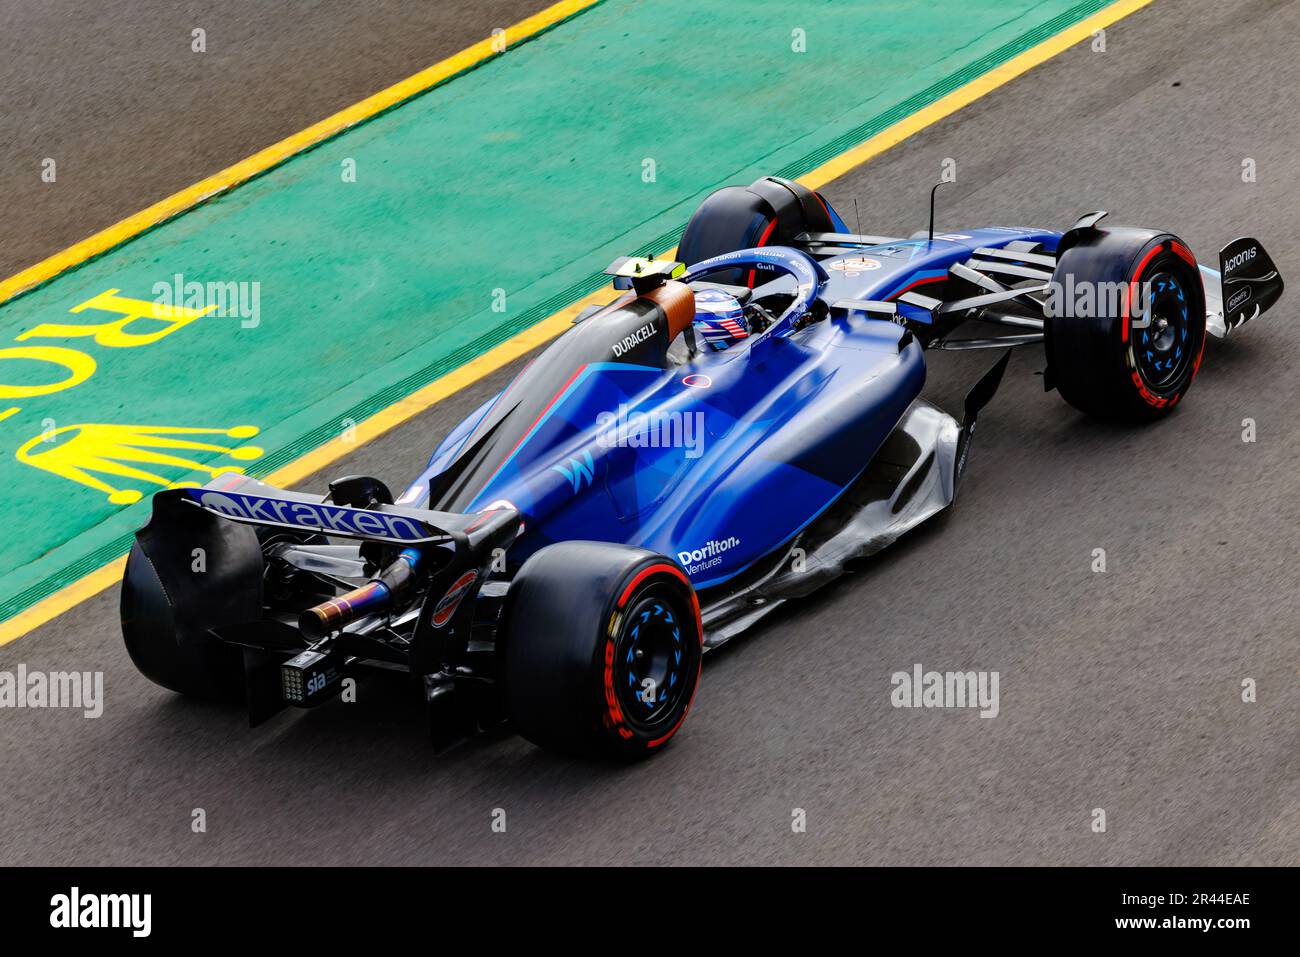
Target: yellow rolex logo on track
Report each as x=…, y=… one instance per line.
x=74, y=452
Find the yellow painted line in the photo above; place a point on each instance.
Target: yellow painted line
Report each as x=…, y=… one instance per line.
x=244, y=170
x=62, y=600
x=970, y=92
x=549, y=328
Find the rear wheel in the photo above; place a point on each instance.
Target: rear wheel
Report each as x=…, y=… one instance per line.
x=770, y=212
x=189, y=572
x=601, y=647
x=1112, y=359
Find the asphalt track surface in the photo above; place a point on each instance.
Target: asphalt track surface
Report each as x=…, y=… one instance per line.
x=1118, y=690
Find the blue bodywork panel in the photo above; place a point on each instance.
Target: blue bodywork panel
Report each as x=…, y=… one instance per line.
x=717, y=459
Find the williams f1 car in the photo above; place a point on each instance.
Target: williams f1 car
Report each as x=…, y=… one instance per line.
x=724, y=435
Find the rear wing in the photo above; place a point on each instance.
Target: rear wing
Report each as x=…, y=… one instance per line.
x=1245, y=285
x=248, y=501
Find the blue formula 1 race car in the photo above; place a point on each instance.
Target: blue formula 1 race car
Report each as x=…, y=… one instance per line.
x=723, y=436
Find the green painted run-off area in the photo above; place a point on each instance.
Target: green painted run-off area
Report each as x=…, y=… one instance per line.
x=521, y=179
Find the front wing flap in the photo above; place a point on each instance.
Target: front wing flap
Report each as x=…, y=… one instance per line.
x=1246, y=284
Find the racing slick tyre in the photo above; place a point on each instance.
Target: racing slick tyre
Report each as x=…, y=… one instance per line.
x=770, y=212
x=187, y=573
x=1110, y=362
x=600, y=649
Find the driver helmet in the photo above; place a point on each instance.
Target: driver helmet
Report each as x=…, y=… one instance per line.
x=719, y=318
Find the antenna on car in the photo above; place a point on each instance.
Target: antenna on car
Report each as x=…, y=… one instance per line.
x=932, y=192
x=857, y=215
x=641, y=274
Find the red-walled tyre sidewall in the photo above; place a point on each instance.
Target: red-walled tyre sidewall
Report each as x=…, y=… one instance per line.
x=563, y=622
x=1091, y=359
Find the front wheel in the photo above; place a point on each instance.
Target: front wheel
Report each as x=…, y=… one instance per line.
x=1126, y=328
x=601, y=647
